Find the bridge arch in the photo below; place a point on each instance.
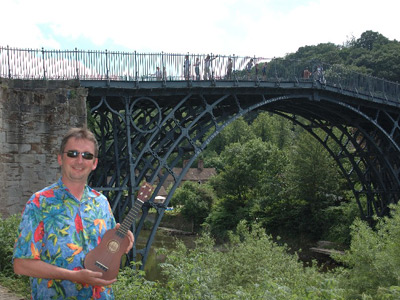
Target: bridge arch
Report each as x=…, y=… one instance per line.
x=179, y=119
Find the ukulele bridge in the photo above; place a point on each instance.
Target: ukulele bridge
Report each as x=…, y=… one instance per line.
x=101, y=266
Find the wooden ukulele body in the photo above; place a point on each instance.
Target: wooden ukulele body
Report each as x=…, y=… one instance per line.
x=106, y=257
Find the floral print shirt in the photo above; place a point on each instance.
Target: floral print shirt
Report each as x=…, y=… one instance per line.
x=59, y=229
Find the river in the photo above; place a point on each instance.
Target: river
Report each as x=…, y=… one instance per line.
x=162, y=240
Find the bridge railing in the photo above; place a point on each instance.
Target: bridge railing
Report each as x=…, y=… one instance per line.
x=133, y=66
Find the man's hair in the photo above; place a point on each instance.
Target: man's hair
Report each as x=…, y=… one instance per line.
x=80, y=133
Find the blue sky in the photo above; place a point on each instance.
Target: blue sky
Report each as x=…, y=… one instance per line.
x=267, y=28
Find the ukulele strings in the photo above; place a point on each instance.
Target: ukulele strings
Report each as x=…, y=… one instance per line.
x=123, y=229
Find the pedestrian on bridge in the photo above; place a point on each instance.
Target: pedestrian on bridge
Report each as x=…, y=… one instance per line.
x=248, y=68
x=229, y=69
x=158, y=74
x=197, y=68
x=306, y=74
x=207, y=67
x=319, y=75
x=62, y=223
x=186, y=67
x=264, y=70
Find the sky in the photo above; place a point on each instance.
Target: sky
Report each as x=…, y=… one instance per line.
x=262, y=28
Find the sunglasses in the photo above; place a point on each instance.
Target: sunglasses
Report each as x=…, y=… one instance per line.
x=74, y=153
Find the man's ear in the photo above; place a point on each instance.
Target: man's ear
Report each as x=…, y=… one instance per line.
x=59, y=159
x=96, y=160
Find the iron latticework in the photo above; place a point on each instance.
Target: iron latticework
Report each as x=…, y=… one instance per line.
x=146, y=132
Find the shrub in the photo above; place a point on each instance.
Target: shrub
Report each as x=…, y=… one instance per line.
x=132, y=285
x=373, y=260
x=8, y=234
x=252, y=266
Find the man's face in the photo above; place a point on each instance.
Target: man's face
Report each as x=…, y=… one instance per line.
x=77, y=169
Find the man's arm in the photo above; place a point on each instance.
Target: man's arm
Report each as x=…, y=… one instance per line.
x=40, y=269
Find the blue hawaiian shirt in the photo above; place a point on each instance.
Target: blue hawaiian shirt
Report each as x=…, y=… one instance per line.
x=59, y=229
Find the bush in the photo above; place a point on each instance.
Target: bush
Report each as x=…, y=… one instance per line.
x=132, y=285
x=373, y=260
x=8, y=234
x=252, y=266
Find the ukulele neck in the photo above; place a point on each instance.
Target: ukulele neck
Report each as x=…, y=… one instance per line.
x=130, y=218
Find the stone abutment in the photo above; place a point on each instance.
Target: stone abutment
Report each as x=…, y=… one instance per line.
x=34, y=115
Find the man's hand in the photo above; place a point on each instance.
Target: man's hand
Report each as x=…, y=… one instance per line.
x=85, y=276
x=40, y=269
x=130, y=237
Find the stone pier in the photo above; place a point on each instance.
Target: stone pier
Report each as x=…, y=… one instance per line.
x=34, y=115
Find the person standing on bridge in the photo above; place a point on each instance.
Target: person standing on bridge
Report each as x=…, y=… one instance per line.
x=248, y=68
x=207, y=67
x=306, y=74
x=319, y=75
x=197, y=68
x=61, y=223
x=158, y=74
x=186, y=67
x=229, y=69
x=264, y=70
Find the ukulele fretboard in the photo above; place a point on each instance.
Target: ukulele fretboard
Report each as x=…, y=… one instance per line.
x=130, y=218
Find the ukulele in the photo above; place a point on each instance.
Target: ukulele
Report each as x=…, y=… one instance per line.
x=106, y=257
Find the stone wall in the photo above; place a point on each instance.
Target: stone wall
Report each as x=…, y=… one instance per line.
x=34, y=115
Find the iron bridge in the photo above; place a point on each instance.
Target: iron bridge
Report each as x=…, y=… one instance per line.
x=146, y=129
x=147, y=122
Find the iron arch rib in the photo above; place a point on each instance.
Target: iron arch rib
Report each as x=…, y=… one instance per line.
x=148, y=134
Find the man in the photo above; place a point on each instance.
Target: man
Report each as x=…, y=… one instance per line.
x=63, y=222
x=229, y=69
x=306, y=74
x=207, y=66
x=186, y=67
x=248, y=68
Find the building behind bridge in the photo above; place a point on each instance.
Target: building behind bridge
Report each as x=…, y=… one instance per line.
x=199, y=175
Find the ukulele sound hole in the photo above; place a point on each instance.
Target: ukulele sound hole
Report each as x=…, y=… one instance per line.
x=113, y=246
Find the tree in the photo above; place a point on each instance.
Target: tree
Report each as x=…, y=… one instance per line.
x=246, y=167
x=313, y=179
x=237, y=131
x=196, y=201
x=373, y=261
x=272, y=128
x=370, y=39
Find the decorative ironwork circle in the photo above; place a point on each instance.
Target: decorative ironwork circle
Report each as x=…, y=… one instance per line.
x=149, y=117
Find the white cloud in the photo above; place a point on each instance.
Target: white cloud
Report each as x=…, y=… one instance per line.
x=254, y=27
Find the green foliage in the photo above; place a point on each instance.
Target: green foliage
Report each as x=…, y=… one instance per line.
x=273, y=129
x=339, y=220
x=324, y=52
x=248, y=167
x=373, y=260
x=196, y=201
x=370, y=40
x=371, y=54
x=8, y=234
x=132, y=285
x=252, y=266
x=312, y=179
x=238, y=131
